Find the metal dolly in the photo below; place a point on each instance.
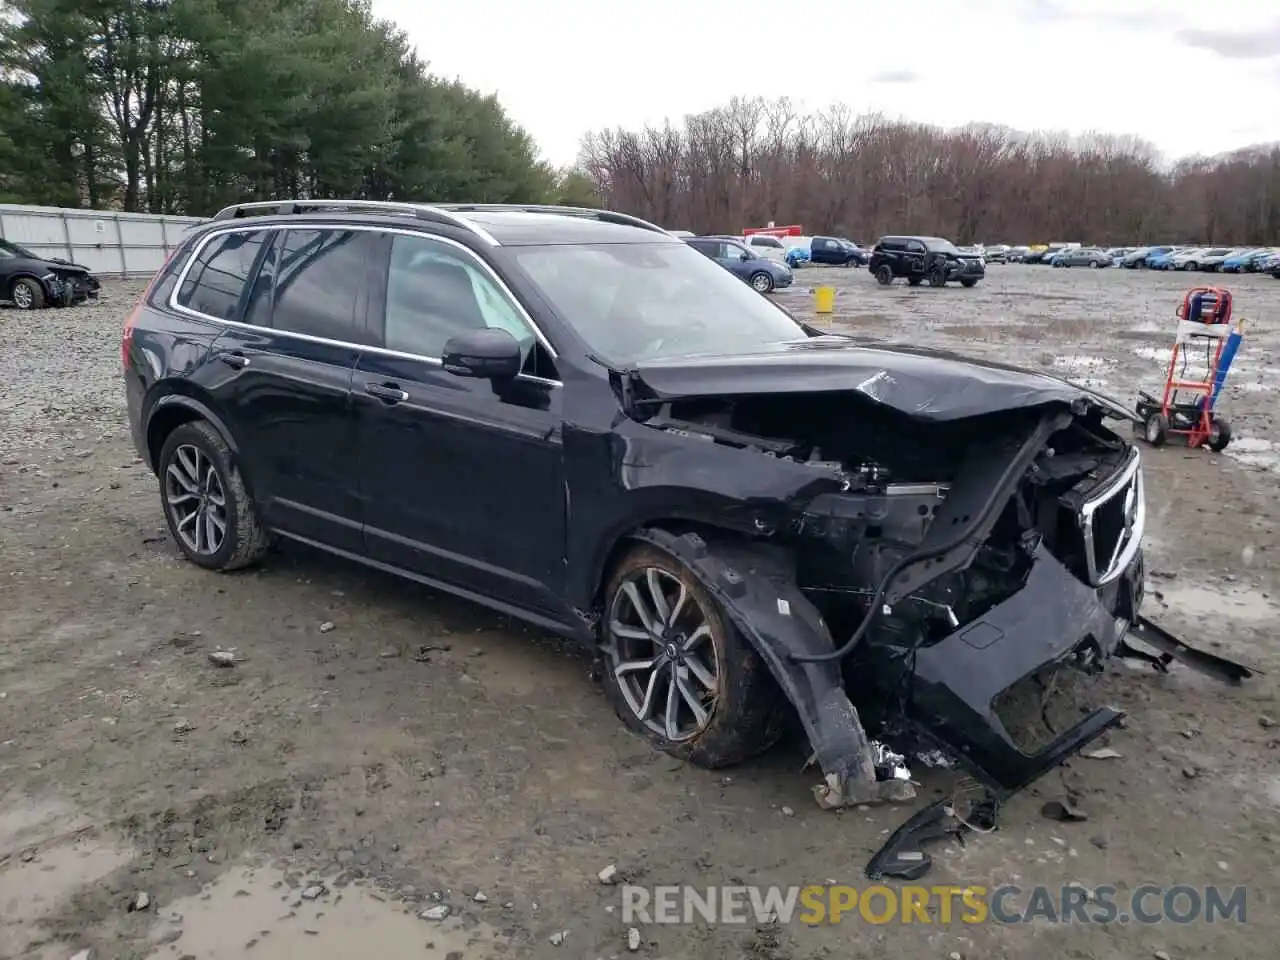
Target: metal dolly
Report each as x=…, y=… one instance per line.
x=1203, y=317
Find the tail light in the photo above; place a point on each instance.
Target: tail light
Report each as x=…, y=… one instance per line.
x=126, y=338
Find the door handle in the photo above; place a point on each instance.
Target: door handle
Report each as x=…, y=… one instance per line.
x=237, y=360
x=388, y=393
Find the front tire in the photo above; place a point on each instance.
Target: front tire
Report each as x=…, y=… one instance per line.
x=1156, y=429
x=26, y=294
x=677, y=670
x=207, y=507
x=970, y=282
x=761, y=282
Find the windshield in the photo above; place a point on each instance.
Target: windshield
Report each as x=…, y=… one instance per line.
x=640, y=301
x=941, y=246
x=9, y=250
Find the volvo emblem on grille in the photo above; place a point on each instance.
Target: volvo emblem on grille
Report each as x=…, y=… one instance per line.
x=1130, y=508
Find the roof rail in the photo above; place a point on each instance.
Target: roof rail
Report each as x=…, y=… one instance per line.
x=604, y=216
x=422, y=211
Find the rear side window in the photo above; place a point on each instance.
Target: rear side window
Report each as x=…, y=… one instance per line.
x=216, y=277
x=319, y=276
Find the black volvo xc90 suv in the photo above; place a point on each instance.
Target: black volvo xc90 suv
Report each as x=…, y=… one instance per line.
x=572, y=416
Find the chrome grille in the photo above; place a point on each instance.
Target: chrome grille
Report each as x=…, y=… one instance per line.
x=1112, y=522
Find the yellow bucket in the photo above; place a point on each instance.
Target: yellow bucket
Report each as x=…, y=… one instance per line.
x=824, y=299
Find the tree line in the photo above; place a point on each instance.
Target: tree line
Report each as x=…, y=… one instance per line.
x=183, y=106
x=755, y=160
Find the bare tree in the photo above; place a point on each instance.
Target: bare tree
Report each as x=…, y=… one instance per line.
x=755, y=160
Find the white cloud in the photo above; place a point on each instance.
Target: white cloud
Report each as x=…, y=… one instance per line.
x=1168, y=72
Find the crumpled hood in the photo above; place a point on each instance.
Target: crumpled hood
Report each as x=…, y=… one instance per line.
x=929, y=384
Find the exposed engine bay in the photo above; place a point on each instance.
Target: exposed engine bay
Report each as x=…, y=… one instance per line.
x=931, y=566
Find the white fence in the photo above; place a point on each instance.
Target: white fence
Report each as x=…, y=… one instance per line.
x=107, y=242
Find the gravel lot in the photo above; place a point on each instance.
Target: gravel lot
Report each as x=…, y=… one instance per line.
x=409, y=751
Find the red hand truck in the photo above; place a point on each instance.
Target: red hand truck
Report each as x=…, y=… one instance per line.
x=1204, y=317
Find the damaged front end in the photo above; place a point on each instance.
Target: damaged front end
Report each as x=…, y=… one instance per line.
x=946, y=561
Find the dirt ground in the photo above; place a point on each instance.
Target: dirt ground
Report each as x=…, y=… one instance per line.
x=409, y=751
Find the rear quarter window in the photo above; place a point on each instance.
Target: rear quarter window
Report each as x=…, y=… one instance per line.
x=215, y=279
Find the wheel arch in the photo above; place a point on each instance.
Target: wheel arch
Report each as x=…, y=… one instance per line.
x=634, y=535
x=171, y=410
x=26, y=274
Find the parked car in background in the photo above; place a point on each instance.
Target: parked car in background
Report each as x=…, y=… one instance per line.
x=1268, y=264
x=834, y=251
x=1082, y=257
x=861, y=253
x=1016, y=254
x=1245, y=261
x=765, y=245
x=997, y=253
x=1140, y=257
x=763, y=274
x=1162, y=261
x=1193, y=257
x=1213, y=259
x=30, y=281
x=918, y=259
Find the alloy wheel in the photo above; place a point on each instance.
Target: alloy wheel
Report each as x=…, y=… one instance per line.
x=22, y=297
x=196, y=500
x=663, y=652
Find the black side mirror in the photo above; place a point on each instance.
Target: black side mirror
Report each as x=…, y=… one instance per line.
x=488, y=354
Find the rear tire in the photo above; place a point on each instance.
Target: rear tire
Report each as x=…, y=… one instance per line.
x=207, y=506
x=1219, y=435
x=884, y=275
x=740, y=712
x=969, y=282
x=26, y=294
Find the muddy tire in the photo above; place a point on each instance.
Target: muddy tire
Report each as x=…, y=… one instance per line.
x=1219, y=435
x=26, y=294
x=1156, y=429
x=688, y=682
x=207, y=507
x=884, y=275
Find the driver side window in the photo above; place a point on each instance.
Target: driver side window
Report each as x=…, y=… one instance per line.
x=435, y=292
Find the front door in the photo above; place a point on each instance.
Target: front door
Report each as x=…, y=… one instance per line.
x=462, y=480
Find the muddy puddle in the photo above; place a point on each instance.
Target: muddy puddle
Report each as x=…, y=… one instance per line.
x=251, y=912
x=40, y=872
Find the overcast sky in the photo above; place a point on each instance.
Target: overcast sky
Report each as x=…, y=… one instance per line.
x=1192, y=76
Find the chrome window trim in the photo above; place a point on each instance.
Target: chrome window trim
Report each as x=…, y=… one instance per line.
x=1125, y=550
x=173, y=304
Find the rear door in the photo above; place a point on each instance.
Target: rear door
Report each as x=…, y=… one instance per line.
x=286, y=388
